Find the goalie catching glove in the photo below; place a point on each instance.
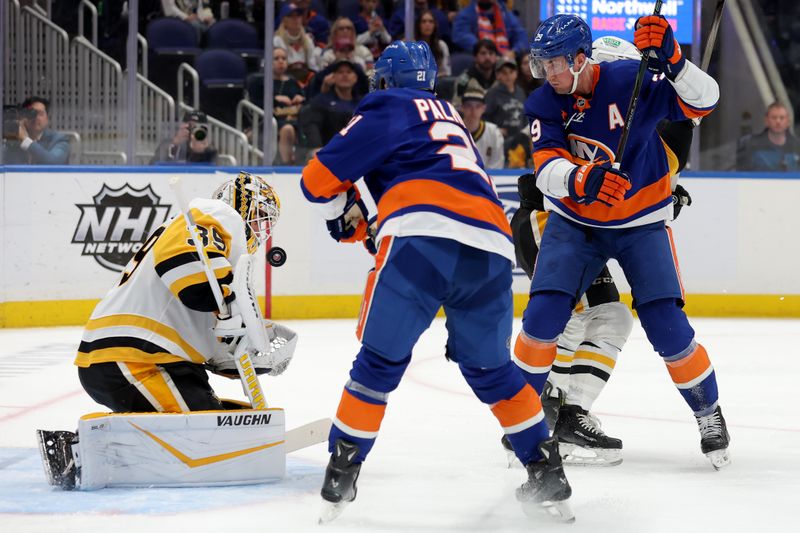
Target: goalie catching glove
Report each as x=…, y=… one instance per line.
x=273, y=361
x=269, y=345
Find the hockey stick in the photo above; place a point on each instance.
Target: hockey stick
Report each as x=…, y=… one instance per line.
x=308, y=434
x=637, y=87
x=244, y=365
x=711, y=40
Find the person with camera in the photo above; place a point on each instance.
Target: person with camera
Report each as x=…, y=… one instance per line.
x=190, y=144
x=29, y=141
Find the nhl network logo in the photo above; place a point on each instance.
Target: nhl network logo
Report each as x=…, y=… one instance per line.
x=114, y=227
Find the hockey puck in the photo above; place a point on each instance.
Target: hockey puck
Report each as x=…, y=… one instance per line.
x=276, y=256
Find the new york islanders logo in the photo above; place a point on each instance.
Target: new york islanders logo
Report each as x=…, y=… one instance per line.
x=586, y=150
x=114, y=226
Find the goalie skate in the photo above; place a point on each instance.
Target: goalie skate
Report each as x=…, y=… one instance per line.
x=714, y=438
x=339, y=487
x=55, y=448
x=582, y=442
x=547, y=488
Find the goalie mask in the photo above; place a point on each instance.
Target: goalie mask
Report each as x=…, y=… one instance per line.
x=256, y=202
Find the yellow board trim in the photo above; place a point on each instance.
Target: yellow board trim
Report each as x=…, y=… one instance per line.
x=45, y=313
x=203, y=461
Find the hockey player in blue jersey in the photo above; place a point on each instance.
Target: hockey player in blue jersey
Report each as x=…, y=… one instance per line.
x=442, y=241
x=598, y=212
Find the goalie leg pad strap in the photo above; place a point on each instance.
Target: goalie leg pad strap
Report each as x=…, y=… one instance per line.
x=180, y=449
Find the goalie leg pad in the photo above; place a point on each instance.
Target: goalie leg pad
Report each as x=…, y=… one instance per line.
x=180, y=449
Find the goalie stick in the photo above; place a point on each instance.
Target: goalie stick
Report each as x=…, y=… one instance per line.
x=308, y=434
x=244, y=365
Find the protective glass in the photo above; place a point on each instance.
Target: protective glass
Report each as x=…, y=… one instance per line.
x=551, y=66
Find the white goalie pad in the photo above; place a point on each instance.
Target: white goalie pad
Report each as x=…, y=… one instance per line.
x=236, y=447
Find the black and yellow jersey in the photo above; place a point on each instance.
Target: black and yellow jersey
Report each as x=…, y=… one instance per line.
x=161, y=309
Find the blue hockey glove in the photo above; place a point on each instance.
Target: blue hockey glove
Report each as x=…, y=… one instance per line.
x=351, y=225
x=653, y=33
x=680, y=198
x=594, y=182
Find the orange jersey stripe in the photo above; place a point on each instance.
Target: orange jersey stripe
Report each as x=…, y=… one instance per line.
x=540, y=157
x=675, y=261
x=534, y=353
x=644, y=198
x=691, y=112
x=434, y=193
x=690, y=367
x=372, y=278
x=359, y=414
x=321, y=182
x=523, y=406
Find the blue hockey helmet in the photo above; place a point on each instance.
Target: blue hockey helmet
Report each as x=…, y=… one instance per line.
x=559, y=36
x=409, y=65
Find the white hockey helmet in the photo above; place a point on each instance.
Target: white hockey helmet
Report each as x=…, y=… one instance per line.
x=256, y=202
x=607, y=49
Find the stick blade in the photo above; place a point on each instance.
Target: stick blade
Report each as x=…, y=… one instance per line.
x=308, y=434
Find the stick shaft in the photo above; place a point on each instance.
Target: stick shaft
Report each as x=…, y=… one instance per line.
x=637, y=87
x=711, y=40
x=183, y=205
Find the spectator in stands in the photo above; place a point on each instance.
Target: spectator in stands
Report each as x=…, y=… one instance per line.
x=343, y=46
x=35, y=143
x=505, y=100
x=486, y=135
x=191, y=11
x=482, y=70
x=370, y=30
x=300, y=49
x=314, y=23
x=492, y=20
x=775, y=149
x=288, y=99
x=505, y=103
x=397, y=24
x=525, y=79
x=426, y=29
x=190, y=144
x=329, y=112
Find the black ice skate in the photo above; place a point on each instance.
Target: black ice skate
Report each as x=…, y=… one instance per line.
x=339, y=487
x=551, y=404
x=547, y=487
x=57, y=459
x=714, y=438
x=582, y=442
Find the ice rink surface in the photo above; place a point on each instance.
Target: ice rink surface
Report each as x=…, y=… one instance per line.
x=438, y=465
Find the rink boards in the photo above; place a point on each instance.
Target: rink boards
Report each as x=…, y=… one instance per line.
x=67, y=232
